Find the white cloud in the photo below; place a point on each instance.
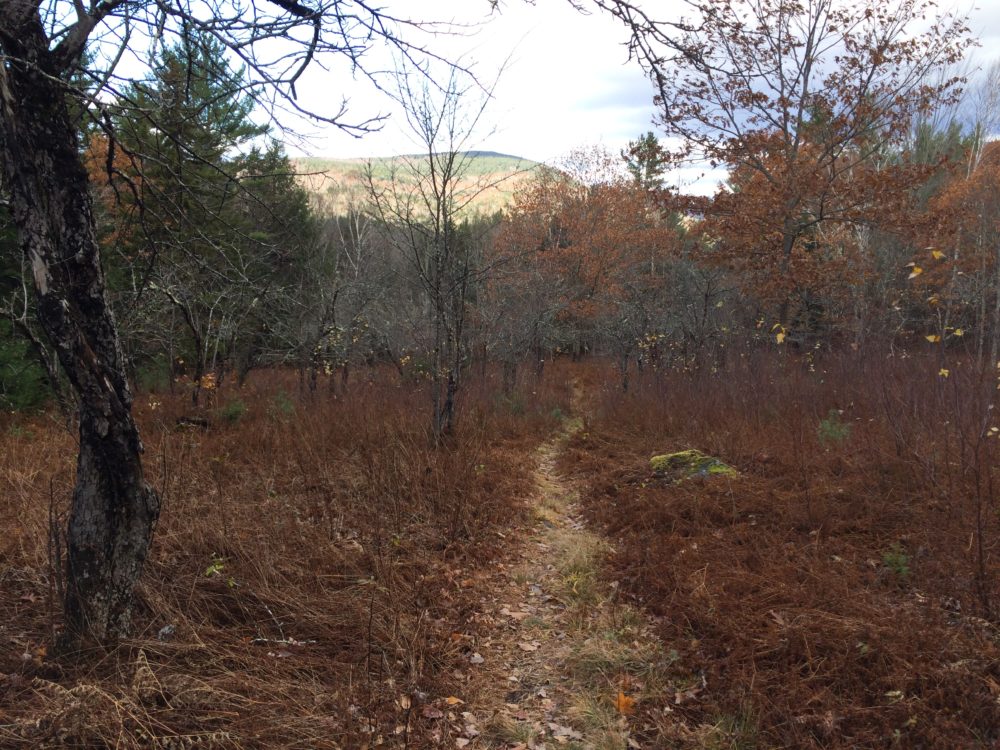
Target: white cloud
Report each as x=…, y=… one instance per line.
x=567, y=83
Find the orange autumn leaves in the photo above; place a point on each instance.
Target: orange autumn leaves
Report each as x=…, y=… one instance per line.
x=588, y=244
x=794, y=226
x=116, y=182
x=791, y=233
x=625, y=704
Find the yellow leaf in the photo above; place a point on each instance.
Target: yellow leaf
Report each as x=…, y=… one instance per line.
x=625, y=704
x=451, y=700
x=937, y=254
x=959, y=332
x=780, y=338
x=933, y=338
x=917, y=270
x=944, y=372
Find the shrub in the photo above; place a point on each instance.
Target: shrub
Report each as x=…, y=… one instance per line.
x=832, y=430
x=283, y=404
x=897, y=561
x=233, y=411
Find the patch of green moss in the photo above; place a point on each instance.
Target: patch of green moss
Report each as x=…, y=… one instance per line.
x=690, y=463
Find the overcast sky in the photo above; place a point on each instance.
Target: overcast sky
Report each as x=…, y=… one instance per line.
x=568, y=81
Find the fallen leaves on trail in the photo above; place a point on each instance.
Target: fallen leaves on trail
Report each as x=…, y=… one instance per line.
x=516, y=615
x=431, y=712
x=625, y=704
x=451, y=700
x=528, y=645
x=469, y=720
x=561, y=733
x=682, y=695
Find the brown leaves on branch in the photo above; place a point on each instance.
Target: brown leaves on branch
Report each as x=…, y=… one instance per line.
x=805, y=103
x=588, y=241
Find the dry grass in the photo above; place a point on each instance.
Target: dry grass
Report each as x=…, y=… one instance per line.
x=833, y=595
x=311, y=560
x=315, y=558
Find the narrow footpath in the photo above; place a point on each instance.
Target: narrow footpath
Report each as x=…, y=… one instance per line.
x=560, y=661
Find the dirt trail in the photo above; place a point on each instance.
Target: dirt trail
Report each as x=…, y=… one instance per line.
x=559, y=661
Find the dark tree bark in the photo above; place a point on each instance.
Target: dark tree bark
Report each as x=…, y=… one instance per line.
x=113, y=510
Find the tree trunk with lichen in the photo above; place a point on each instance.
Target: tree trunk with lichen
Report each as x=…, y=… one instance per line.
x=113, y=509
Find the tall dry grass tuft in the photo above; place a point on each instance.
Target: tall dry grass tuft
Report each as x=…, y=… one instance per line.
x=840, y=592
x=306, y=575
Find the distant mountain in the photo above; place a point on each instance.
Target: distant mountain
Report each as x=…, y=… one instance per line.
x=337, y=183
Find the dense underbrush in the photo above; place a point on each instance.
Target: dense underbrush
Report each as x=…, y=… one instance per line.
x=842, y=590
x=308, y=571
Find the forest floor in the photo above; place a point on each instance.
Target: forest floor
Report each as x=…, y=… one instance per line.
x=563, y=662
x=325, y=577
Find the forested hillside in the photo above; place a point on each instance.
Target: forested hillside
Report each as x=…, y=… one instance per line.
x=339, y=183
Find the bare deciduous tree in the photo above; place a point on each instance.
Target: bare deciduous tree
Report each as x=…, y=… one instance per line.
x=423, y=204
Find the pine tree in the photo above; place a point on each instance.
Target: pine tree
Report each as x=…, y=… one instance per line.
x=646, y=161
x=216, y=214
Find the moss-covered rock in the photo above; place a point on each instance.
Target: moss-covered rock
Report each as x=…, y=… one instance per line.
x=690, y=463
